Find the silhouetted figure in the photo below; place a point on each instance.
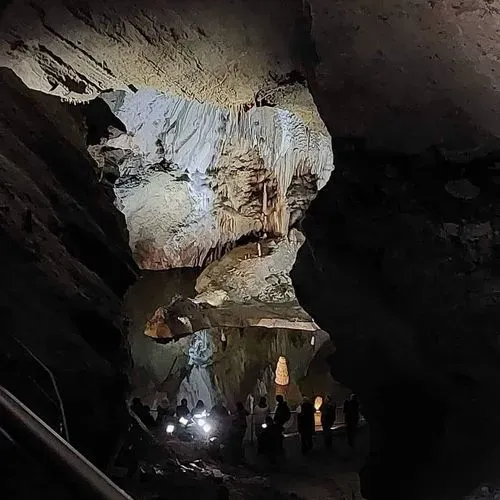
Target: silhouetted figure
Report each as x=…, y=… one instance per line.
x=260, y=414
x=199, y=409
x=270, y=440
x=219, y=410
x=239, y=427
x=142, y=411
x=351, y=412
x=182, y=410
x=328, y=413
x=306, y=425
x=282, y=414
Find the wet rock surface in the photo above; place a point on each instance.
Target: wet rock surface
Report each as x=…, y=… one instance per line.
x=404, y=274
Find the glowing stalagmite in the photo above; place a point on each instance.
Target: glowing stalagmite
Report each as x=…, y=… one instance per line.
x=318, y=402
x=282, y=377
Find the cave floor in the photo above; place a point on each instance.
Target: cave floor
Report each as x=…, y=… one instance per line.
x=322, y=474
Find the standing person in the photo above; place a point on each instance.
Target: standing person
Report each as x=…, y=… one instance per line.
x=282, y=413
x=182, y=410
x=351, y=413
x=306, y=425
x=281, y=417
x=269, y=442
x=328, y=413
x=199, y=411
x=260, y=414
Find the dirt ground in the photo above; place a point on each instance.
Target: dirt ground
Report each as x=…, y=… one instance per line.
x=322, y=474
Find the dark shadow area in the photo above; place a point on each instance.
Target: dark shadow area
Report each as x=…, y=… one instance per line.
x=400, y=271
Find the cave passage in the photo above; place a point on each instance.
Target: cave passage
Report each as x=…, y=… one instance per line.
x=206, y=205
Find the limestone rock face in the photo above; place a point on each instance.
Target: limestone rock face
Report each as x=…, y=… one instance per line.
x=194, y=178
x=258, y=271
x=77, y=49
x=65, y=266
x=403, y=75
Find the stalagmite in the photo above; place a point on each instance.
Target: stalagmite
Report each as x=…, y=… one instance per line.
x=282, y=378
x=318, y=401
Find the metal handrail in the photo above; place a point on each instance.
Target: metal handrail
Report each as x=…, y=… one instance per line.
x=54, y=385
x=27, y=429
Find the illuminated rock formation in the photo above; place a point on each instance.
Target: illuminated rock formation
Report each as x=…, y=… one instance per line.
x=194, y=178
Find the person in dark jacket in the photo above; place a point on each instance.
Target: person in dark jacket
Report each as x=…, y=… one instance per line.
x=306, y=425
x=328, y=413
x=219, y=410
x=270, y=440
x=182, y=410
x=199, y=410
x=351, y=413
x=163, y=412
x=282, y=414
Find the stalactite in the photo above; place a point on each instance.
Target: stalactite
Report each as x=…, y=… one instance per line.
x=215, y=159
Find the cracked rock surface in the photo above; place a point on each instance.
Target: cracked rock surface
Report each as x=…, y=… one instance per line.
x=402, y=74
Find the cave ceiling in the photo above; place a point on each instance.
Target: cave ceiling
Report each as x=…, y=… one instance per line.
x=404, y=75
x=222, y=136
x=399, y=261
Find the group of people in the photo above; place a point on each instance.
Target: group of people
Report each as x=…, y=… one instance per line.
x=231, y=428
x=267, y=428
x=328, y=409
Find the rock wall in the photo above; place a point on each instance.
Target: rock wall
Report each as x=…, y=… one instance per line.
x=403, y=75
x=77, y=50
x=400, y=265
x=154, y=362
x=65, y=265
